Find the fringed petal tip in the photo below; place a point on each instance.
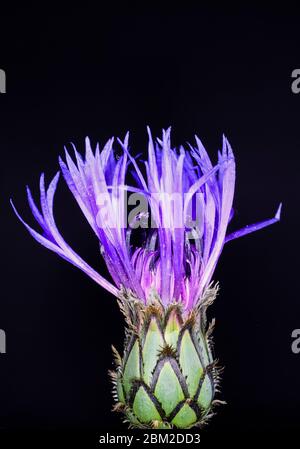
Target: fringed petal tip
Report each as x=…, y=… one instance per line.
x=278, y=213
x=51, y=238
x=15, y=209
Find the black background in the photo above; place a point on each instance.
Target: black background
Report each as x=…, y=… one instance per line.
x=99, y=72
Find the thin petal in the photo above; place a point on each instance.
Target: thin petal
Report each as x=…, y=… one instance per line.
x=254, y=227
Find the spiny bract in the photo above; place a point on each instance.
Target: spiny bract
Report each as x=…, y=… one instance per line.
x=167, y=377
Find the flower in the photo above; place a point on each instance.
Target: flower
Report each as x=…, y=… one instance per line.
x=167, y=376
x=178, y=256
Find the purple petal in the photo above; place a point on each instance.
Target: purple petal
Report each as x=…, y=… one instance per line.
x=254, y=227
x=75, y=260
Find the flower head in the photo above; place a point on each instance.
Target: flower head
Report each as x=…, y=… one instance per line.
x=188, y=203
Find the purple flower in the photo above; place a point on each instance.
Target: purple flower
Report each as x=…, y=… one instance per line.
x=190, y=204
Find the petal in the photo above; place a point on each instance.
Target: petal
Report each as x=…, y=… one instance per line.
x=254, y=227
x=75, y=260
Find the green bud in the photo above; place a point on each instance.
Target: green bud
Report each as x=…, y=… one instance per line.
x=167, y=377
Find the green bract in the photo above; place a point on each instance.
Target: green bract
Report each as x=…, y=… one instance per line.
x=167, y=377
